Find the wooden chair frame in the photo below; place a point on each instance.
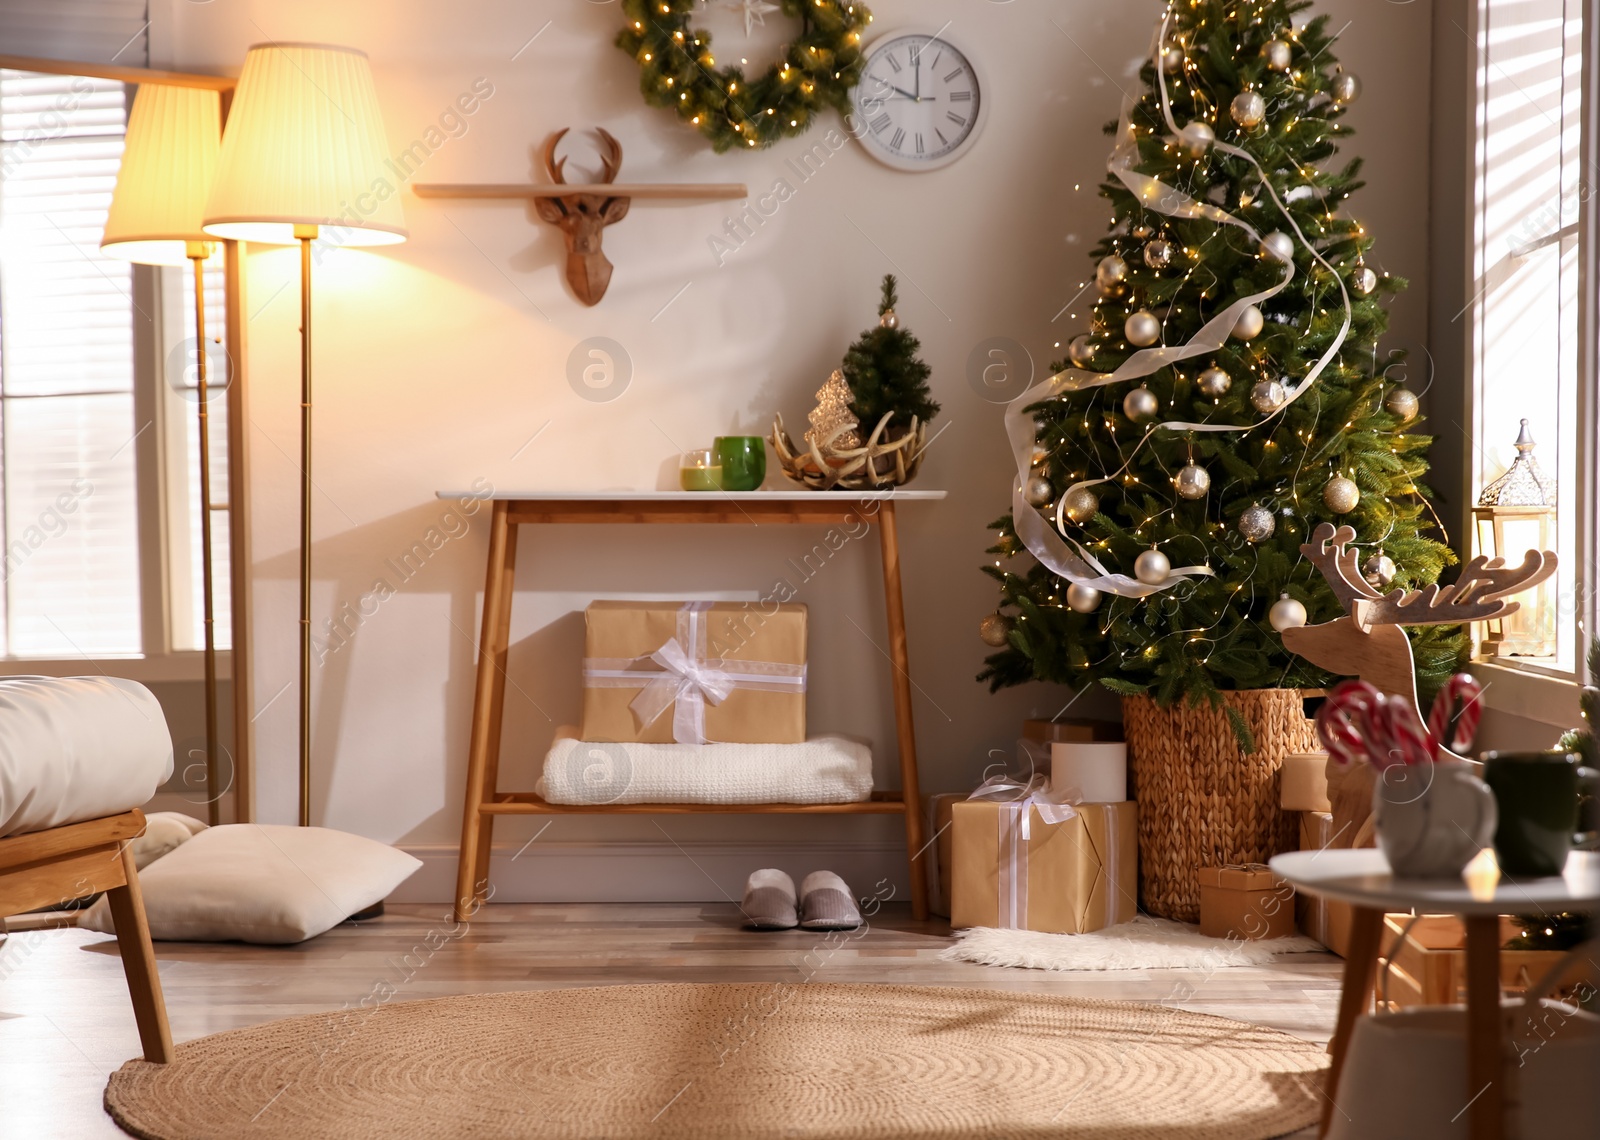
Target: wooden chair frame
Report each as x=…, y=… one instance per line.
x=45, y=868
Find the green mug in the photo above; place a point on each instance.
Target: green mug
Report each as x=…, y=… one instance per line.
x=1537, y=794
x=744, y=461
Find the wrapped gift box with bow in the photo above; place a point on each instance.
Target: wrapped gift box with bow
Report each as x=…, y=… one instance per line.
x=694, y=673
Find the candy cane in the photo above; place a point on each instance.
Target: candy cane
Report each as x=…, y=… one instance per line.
x=1335, y=720
x=1469, y=692
x=1407, y=736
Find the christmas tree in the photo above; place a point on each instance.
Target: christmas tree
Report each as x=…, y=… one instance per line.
x=884, y=374
x=833, y=427
x=1228, y=396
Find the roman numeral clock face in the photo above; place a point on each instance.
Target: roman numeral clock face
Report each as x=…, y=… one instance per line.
x=919, y=103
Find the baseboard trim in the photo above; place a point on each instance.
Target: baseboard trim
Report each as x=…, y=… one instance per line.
x=633, y=872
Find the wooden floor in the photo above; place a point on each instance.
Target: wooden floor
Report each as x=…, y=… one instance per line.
x=65, y=1021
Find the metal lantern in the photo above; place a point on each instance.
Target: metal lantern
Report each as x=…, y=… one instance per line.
x=1517, y=513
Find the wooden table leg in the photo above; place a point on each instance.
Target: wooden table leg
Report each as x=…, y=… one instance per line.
x=894, y=606
x=1485, y=1066
x=1355, y=999
x=139, y=963
x=488, y=707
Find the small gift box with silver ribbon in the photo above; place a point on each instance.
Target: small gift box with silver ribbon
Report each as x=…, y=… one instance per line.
x=695, y=673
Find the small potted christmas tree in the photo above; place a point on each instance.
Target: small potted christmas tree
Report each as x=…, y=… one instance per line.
x=870, y=424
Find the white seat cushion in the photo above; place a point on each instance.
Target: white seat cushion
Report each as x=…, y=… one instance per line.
x=76, y=748
x=267, y=883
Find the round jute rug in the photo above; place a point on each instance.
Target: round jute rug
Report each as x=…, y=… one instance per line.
x=679, y=1061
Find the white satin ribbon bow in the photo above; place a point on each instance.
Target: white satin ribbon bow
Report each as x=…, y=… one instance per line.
x=686, y=685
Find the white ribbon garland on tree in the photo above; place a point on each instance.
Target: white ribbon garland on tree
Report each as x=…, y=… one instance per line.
x=1048, y=543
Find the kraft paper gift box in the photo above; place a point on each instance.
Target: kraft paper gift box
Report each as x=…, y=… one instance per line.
x=694, y=673
x=1303, y=782
x=1247, y=902
x=1063, y=878
x=1328, y=922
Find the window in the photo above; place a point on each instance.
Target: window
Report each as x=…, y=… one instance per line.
x=99, y=507
x=1528, y=208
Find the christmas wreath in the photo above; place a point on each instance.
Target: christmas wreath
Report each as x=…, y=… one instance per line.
x=677, y=69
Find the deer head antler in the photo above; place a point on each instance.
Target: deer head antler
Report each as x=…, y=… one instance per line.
x=1479, y=594
x=551, y=164
x=610, y=155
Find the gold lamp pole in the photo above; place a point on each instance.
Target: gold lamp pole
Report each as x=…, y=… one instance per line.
x=303, y=159
x=168, y=160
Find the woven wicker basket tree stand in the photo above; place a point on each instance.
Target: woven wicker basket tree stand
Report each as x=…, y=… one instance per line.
x=1202, y=801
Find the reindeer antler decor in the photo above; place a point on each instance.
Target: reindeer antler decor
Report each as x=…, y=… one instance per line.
x=584, y=216
x=1369, y=642
x=583, y=210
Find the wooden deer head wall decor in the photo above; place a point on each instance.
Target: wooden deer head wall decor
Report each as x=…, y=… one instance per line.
x=583, y=216
x=1368, y=641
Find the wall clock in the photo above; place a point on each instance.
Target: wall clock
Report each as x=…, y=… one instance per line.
x=920, y=102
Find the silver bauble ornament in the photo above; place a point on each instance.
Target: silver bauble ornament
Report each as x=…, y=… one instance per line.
x=1286, y=613
x=1279, y=246
x=1346, y=88
x=1278, y=55
x=1080, y=505
x=1363, y=281
x=1171, y=59
x=1213, y=382
x=1140, y=404
x=1141, y=232
x=1248, y=109
x=1083, y=599
x=1257, y=523
x=1192, y=481
x=1038, y=491
x=1341, y=494
x=1152, y=567
x=888, y=320
x=1196, y=138
x=1142, y=329
x=1401, y=403
x=1158, y=253
x=995, y=629
x=1267, y=397
x=1111, y=274
x=1249, y=324
x=1379, y=571
x=1081, y=350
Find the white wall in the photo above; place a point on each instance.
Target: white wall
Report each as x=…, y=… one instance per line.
x=439, y=359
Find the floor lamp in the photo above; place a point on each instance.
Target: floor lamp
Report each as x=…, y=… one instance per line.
x=168, y=159
x=303, y=159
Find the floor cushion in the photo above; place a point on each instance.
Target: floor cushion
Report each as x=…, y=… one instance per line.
x=265, y=883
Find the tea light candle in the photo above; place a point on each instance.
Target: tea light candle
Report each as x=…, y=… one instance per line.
x=700, y=471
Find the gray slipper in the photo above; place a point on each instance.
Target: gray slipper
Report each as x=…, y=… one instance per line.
x=826, y=903
x=769, y=901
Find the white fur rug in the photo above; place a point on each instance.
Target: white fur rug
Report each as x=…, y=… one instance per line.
x=1143, y=944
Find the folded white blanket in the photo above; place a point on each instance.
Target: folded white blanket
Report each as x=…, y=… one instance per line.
x=76, y=748
x=825, y=770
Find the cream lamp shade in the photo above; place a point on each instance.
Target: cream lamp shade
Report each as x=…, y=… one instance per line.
x=168, y=159
x=305, y=146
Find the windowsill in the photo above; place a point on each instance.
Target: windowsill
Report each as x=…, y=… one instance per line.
x=1531, y=693
x=183, y=665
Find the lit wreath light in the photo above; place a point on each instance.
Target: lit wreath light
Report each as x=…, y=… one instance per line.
x=678, y=70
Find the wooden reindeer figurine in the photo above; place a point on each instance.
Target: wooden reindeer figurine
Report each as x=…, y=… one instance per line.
x=1368, y=642
x=584, y=217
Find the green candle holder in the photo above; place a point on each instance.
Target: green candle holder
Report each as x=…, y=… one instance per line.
x=743, y=460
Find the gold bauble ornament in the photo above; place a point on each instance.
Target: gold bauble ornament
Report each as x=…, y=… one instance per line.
x=1158, y=253
x=1286, y=613
x=1345, y=88
x=1363, y=281
x=1171, y=59
x=1278, y=55
x=1140, y=404
x=1341, y=494
x=1196, y=138
x=1257, y=523
x=1038, y=491
x=1379, y=570
x=995, y=629
x=889, y=320
x=1267, y=397
x=1081, y=505
x=1192, y=481
x=1279, y=246
x=1401, y=403
x=1248, y=109
x=1213, y=382
x=1111, y=275
x=1083, y=599
x=1249, y=324
x=1152, y=567
x=1142, y=329
x=1081, y=350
